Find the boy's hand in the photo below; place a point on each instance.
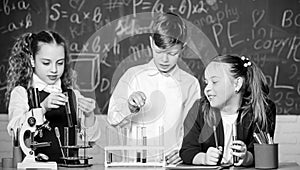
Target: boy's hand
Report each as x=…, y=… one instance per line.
x=136, y=100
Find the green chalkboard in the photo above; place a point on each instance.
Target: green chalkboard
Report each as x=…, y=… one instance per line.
x=106, y=37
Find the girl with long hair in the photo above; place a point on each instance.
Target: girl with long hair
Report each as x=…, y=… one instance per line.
x=236, y=101
x=41, y=61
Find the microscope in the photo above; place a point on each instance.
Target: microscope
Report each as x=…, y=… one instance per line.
x=33, y=125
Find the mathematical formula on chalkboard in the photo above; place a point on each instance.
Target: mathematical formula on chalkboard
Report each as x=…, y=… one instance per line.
x=106, y=37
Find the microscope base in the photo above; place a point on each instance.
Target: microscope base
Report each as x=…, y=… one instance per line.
x=32, y=164
x=46, y=165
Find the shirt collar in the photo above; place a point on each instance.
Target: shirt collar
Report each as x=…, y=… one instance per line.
x=42, y=86
x=175, y=73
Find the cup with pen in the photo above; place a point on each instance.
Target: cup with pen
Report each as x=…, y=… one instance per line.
x=17, y=152
x=265, y=150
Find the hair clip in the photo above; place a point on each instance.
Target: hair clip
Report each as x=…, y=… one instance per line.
x=247, y=64
x=246, y=61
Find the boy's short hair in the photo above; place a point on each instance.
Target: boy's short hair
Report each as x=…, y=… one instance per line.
x=168, y=30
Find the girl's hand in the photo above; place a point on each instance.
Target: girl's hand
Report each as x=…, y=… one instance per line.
x=212, y=155
x=240, y=150
x=87, y=105
x=53, y=101
x=173, y=157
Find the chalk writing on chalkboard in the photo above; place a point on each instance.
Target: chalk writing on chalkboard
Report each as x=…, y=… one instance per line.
x=107, y=37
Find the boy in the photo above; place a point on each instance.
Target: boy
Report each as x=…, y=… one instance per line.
x=159, y=93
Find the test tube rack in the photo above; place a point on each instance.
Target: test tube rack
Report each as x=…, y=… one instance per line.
x=76, y=160
x=70, y=153
x=110, y=162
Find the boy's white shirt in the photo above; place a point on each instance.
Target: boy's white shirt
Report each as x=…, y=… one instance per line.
x=169, y=87
x=18, y=109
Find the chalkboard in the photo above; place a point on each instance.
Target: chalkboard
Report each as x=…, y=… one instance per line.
x=106, y=37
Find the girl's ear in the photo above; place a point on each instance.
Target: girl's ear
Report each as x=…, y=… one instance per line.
x=32, y=61
x=238, y=84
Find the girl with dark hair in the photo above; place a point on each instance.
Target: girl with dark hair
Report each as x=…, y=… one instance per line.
x=236, y=95
x=41, y=61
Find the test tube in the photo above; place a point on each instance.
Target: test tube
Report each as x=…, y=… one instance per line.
x=144, y=159
x=138, y=156
x=109, y=160
x=85, y=144
x=138, y=135
x=76, y=135
x=107, y=135
x=35, y=98
x=79, y=116
x=109, y=154
x=66, y=140
x=125, y=136
x=234, y=137
x=76, y=153
x=68, y=111
x=161, y=142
